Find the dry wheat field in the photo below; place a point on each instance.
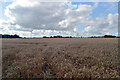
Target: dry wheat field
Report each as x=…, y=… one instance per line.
x=60, y=58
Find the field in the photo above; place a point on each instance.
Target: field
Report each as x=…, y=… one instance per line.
x=60, y=58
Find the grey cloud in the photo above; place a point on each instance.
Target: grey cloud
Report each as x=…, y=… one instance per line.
x=48, y=15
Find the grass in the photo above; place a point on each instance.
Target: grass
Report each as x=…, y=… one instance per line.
x=60, y=58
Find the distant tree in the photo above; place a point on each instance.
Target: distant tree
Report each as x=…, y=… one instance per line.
x=109, y=36
x=70, y=36
x=44, y=37
x=57, y=36
x=118, y=37
x=51, y=37
x=10, y=36
x=0, y=35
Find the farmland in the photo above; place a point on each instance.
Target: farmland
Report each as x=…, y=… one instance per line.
x=60, y=57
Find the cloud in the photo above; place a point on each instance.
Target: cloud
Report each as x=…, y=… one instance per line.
x=40, y=33
x=47, y=16
x=95, y=5
x=102, y=26
x=54, y=18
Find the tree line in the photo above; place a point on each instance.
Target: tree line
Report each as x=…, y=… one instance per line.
x=105, y=36
x=9, y=36
x=58, y=36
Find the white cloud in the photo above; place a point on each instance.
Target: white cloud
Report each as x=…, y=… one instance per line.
x=48, y=16
x=102, y=26
x=43, y=18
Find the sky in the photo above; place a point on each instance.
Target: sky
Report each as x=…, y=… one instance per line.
x=35, y=18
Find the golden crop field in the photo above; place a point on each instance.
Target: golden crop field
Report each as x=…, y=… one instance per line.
x=60, y=58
